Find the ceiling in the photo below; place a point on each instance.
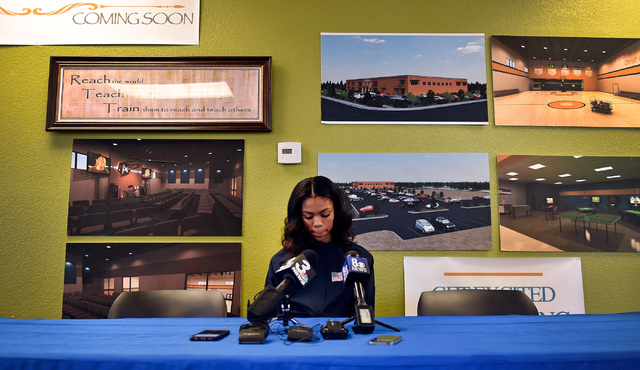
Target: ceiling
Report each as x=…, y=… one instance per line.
x=628, y=168
x=579, y=49
x=95, y=255
x=182, y=154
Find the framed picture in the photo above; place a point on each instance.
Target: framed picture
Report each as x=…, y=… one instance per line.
x=159, y=93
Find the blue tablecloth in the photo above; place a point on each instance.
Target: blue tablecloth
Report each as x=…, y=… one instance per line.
x=568, y=342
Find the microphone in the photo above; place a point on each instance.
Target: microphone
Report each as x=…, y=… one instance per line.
x=295, y=273
x=355, y=270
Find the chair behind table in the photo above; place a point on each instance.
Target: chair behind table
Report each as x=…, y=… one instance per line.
x=475, y=303
x=169, y=303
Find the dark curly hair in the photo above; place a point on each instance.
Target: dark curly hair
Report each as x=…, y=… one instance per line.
x=295, y=234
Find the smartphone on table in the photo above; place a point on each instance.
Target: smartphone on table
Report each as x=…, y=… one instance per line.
x=386, y=339
x=210, y=335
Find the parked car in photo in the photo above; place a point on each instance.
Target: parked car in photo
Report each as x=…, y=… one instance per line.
x=433, y=205
x=365, y=209
x=439, y=99
x=456, y=200
x=424, y=226
x=443, y=223
x=394, y=200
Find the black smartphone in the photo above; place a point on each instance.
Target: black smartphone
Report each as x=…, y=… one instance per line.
x=210, y=335
x=386, y=339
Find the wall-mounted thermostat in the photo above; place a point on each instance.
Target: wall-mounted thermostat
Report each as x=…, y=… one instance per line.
x=289, y=153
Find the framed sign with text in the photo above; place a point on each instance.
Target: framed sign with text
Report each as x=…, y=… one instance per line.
x=159, y=93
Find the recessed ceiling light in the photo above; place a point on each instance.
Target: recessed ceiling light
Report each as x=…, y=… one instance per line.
x=581, y=180
x=565, y=49
x=565, y=175
x=577, y=156
x=540, y=179
x=604, y=51
x=537, y=166
x=557, y=183
x=603, y=169
x=522, y=46
x=613, y=177
x=513, y=179
x=511, y=173
x=585, y=50
x=544, y=47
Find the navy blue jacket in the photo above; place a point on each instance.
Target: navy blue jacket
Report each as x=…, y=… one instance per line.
x=325, y=295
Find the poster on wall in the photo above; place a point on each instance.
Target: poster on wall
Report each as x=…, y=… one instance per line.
x=566, y=81
x=162, y=93
x=95, y=274
x=553, y=284
x=414, y=201
x=61, y=22
x=126, y=187
x=396, y=78
x=569, y=203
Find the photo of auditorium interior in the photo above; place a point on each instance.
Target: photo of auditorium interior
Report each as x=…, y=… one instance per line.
x=569, y=203
x=566, y=81
x=97, y=273
x=156, y=187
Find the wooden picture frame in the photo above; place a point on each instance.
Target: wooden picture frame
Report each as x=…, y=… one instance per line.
x=159, y=93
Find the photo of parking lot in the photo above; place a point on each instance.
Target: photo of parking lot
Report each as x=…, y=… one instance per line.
x=415, y=201
x=403, y=78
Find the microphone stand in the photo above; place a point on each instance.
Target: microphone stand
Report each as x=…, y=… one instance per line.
x=286, y=316
x=365, y=319
x=300, y=333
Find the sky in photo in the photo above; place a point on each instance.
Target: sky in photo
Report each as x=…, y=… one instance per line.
x=409, y=167
x=351, y=56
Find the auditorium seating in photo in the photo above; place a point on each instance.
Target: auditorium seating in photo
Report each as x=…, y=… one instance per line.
x=83, y=203
x=95, y=208
x=121, y=218
x=144, y=214
x=472, y=302
x=134, y=231
x=169, y=303
x=167, y=228
x=91, y=222
x=190, y=225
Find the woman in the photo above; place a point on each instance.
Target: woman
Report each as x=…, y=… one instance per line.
x=318, y=220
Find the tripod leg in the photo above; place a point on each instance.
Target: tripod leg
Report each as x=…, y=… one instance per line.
x=387, y=325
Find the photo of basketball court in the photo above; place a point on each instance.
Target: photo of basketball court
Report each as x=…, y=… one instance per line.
x=566, y=81
x=569, y=203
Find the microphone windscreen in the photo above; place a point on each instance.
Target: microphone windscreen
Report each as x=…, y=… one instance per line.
x=312, y=257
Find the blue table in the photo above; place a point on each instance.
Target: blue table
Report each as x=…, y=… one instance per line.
x=489, y=342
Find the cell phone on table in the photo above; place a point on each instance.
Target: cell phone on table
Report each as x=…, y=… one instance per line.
x=386, y=339
x=210, y=335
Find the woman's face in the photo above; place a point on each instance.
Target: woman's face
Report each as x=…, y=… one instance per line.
x=317, y=215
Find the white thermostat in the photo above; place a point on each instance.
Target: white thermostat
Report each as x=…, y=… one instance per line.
x=289, y=152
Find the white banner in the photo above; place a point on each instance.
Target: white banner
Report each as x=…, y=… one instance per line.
x=553, y=284
x=62, y=22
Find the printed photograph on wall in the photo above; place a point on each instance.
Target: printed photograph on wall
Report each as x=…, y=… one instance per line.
x=403, y=78
x=415, y=201
x=566, y=81
x=569, y=203
x=127, y=187
x=96, y=274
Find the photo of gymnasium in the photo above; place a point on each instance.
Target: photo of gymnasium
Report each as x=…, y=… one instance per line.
x=566, y=81
x=570, y=204
x=95, y=274
x=156, y=187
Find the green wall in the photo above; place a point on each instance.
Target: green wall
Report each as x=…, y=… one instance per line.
x=35, y=164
